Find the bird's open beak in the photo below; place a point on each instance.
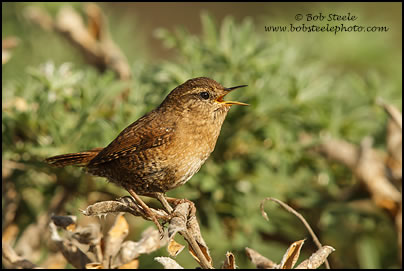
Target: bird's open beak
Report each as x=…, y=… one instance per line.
x=220, y=99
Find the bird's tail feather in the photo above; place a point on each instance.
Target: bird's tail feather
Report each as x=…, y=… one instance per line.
x=80, y=159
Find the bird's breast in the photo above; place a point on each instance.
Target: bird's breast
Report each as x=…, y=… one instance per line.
x=193, y=144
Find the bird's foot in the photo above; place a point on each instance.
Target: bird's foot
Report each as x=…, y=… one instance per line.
x=167, y=201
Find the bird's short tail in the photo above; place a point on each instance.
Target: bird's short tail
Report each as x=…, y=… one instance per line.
x=80, y=159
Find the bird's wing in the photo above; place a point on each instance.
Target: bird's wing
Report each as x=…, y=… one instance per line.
x=147, y=132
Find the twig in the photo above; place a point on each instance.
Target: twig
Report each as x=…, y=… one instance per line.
x=121, y=205
x=195, y=247
x=12, y=260
x=30, y=240
x=10, y=200
x=184, y=211
x=291, y=210
x=113, y=239
x=70, y=250
x=93, y=41
x=394, y=113
x=368, y=165
x=187, y=233
x=150, y=241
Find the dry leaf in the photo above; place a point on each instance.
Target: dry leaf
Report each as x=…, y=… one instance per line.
x=105, y=207
x=54, y=261
x=174, y=248
x=114, y=238
x=12, y=261
x=195, y=232
x=205, y=252
x=39, y=16
x=178, y=221
x=229, y=262
x=130, y=265
x=317, y=258
x=95, y=21
x=168, y=263
x=292, y=255
x=394, y=140
x=149, y=242
x=9, y=233
x=260, y=261
x=394, y=113
x=73, y=254
x=115, y=206
x=91, y=234
x=368, y=165
x=94, y=266
x=120, y=228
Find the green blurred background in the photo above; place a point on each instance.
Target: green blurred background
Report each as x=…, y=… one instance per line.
x=299, y=84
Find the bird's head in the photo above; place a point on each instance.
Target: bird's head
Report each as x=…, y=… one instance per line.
x=202, y=96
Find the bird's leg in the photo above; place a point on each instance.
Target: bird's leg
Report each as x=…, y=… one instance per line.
x=146, y=209
x=162, y=198
x=130, y=201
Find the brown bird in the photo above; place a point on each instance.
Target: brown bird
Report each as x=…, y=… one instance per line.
x=166, y=147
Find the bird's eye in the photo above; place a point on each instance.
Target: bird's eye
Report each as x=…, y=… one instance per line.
x=204, y=95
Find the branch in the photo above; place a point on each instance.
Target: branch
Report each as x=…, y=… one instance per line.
x=394, y=113
x=368, y=165
x=12, y=260
x=291, y=210
x=93, y=41
x=181, y=220
x=184, y=221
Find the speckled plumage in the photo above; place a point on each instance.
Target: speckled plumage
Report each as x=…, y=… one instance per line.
x=166, y=147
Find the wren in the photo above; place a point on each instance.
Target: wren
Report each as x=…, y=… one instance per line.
x=166, y=147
